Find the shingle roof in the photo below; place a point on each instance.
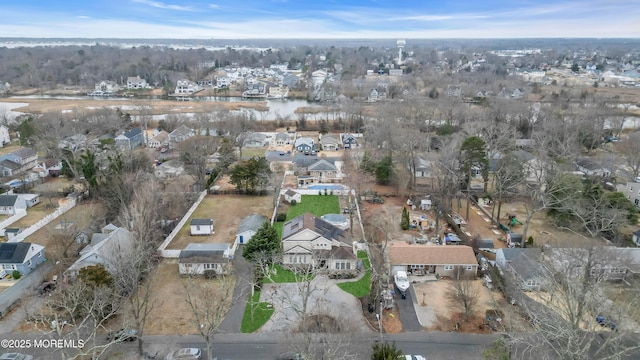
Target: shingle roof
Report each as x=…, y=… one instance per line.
x=328, y=139
x=201, y=222
x=133, y=132
x=203, y=253
x=251, y=222
x=342, y=253
x=13, y=253
x=512, y=253
x=8, y=200
x=403, y=254
x=10, y=164
x=316, y=224
x=24, y=153
x=291, y=192
x=322, y=165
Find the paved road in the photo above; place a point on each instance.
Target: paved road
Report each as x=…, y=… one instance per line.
x=243, y=270
x=408, y=316
x=21, y=290
x=267, y=346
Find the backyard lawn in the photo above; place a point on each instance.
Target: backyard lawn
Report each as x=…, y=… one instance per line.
x=361, y=287
x=262, y=312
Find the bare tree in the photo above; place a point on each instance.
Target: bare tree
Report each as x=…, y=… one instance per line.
x=78, y=312
x=463, y=292
x=195, y=152
x=573, y=317
x=208, y=302
x=134, y=268
x=630, y=148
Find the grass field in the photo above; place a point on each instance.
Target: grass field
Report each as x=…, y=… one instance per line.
x=361, y=287
x=262, y=312
x=282, y=275
x=248, y=153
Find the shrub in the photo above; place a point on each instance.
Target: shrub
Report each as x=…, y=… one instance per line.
x=210, y=274
x=281, y=217
x=293, y=202
x=16, y=274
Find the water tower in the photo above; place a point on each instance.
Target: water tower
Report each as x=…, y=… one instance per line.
x=401, y=44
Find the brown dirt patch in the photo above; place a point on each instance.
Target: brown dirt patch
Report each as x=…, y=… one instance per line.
x=171, y=314
x=226, y=211
x=391, y=321
x=448, y=313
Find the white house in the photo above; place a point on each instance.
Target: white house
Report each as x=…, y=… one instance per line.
x=106, y=248
x=10, y=204
x=636, y=237
x=329, y=142
x=195, y=259
x=201, y=226
x=106, y=87
x=248, y=227
x=186, y=87
x=135, y=82
x=4, y=135
x=20, y=256
x=290, y=195
x=159, y=140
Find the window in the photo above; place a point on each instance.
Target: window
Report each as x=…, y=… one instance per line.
x=448, y=267
x=532, y=283
x=198, y=227
x=29, y=263
x=469, y=267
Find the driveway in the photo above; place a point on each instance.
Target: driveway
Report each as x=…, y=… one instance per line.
x=243, y=271
x=407, y=311
x=324, y=298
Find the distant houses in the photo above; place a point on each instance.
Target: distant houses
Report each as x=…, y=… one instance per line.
x=135, y=82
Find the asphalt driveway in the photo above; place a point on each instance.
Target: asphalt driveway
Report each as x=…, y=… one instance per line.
x=243, y=271
x=407, y=311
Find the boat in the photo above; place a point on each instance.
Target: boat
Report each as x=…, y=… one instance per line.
x=402, y=283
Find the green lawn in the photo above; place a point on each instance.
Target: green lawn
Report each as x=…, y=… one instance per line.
x=316, y=204
x=361, y=287
x=248, y=153
x=282, y=275
x=262, y=312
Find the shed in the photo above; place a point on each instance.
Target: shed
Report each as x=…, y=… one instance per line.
x=201, y=226
x=515, y=240
x=425, y=204
x=292, y=195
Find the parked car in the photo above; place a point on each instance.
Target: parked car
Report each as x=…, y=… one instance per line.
x=46, y=287
x=412, y=357
x=15, y=356
x=123, y=335
x=185, y=354
x=291, y=356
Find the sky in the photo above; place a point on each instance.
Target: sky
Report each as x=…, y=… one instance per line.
x=300, y=19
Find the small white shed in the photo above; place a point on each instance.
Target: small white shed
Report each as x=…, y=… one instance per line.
x=292, y=195
x=425, y=204
x=201, y=226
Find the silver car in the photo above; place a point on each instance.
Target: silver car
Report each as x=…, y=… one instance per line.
x=185, y=354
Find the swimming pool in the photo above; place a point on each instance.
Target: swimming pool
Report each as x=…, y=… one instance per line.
x=326, y=186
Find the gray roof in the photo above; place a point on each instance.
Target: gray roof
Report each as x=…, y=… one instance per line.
x=24, y=153
x=485, y=244
x=322, y=165
x=316, y=224
x=304, y=140
x=282, y=136
x=328, y=139
x=201, y=222
x=512, y=253
x=203, y=253
x=291, y=192
x=10, y=164
x=182, y=130
x=13, y=253
x=251, y=222
x=527, y=265
x=8, y=200
x=133, y=132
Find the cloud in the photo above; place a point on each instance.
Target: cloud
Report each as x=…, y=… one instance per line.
x=83, y=17
x=213, y=6
x=161, y=5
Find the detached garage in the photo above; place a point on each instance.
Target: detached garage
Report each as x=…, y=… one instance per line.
x=248, y=227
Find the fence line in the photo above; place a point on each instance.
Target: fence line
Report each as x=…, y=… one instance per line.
x=20, y=213
x=184, y=219
x=68, y=205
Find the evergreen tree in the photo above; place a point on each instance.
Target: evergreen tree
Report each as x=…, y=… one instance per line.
x=386, y=351
x=265, y=242
x=404, y=221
